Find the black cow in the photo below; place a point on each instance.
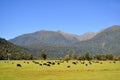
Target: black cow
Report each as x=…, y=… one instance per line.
x=68, y=66
x=86, y=64
x=19, y=65
x=74, y=62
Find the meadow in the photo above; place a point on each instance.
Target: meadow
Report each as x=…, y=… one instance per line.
x=73, y=70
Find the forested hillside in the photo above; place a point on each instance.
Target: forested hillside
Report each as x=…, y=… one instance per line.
x=107, y=41
x=12, y=52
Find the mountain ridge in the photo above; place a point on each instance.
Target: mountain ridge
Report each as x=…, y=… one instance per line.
x=54, y=37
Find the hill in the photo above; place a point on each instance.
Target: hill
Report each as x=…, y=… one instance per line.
x=11, y=51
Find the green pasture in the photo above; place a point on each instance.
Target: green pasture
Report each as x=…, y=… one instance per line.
x=31, y=71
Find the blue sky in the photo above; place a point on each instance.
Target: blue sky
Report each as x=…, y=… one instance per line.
x=19, y=17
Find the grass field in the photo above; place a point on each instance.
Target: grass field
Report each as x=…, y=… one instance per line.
x=104, y=70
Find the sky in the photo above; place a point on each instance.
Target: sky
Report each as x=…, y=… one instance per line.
x=19, y=17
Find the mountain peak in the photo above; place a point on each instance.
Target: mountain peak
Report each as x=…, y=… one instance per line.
x=43, y=30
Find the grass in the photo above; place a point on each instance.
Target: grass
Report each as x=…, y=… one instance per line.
x=31, y=71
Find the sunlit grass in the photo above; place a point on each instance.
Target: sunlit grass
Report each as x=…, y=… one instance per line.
x=31, y=71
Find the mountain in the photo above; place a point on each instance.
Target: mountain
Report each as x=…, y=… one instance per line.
x=107, y=41
x=42, y=36
x=49, y=37
x=58, y=43
x=11, y=51
x=85, y=36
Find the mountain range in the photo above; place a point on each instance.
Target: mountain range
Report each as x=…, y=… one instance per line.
x=50, y=37
x=58, y=42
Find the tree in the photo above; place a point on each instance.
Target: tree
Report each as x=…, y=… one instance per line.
x=43, y=55
x=116, y=57
x=1, y=56
x=74, y=55
x=88, y=56
x=31, y=57
x=82, y=57
x=67, y=57
x=109, y=56
x=97, y=56
x=100, y=56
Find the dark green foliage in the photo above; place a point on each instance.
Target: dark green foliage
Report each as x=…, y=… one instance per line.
x=67, y=57
x=100, y=56
x=81, y=57
x=74, y=56
x=109, y=56
x=8, y=51
x=116, y=57
x=43, y=55
x=88, y=56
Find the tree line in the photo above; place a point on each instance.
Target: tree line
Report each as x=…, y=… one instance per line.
x=86, y=56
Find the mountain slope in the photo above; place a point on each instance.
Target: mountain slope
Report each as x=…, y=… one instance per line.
x=106, y=41
x=50, y=37
x=11, y=51
x=86, y=36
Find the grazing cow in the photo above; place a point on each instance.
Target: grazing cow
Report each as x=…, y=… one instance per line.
x=86, y=64
x=74, y=62
x=27, y=62
x=33, y=61
x=58, y=63
x=97, y=62
x=49, y=62
x=83, y=62
x=53, y=63
x=90, y=63
x=19, y=65
x=68, y=66
x=48, y=65
x=36, y=62
x=114, y=62
x=100, y=62
x=40, y=64
x=44, y=63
